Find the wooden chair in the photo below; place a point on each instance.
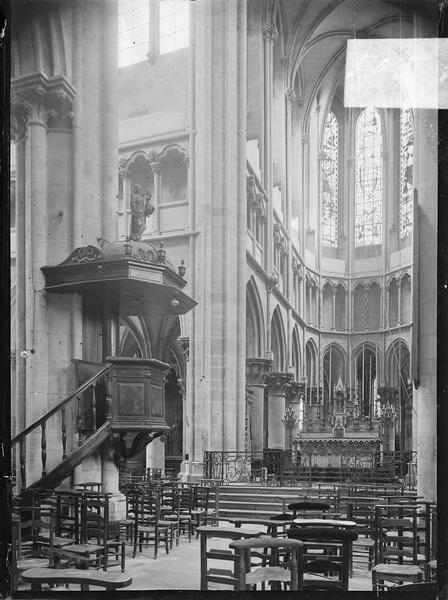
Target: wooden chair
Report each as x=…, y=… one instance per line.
x=397, y=544
x=212, y=574
x=149, y=526
x=33, y=543
x=95, y=543
x=200, y=511
x=326, y=555
x=289, y=573
x=68, y=514
x=362, y=511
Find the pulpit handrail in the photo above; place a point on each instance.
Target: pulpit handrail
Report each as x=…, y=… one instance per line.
x=82, y=388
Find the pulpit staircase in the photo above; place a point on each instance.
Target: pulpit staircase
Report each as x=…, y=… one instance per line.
x=80, y=412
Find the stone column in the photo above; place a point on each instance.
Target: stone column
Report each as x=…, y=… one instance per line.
x=157, y=199
x=124, y=206
x=19, y=131
x=277, y=389
x=256, y=371
x=425, y=326
x=109, y=118
x=218, y=330
x=109, y=479
x=295, y=396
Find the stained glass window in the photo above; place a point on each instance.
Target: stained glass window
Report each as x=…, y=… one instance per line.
x=133, y=31
x=406, y=173
x=329, y=173
x=174, y=27
x=368, y=179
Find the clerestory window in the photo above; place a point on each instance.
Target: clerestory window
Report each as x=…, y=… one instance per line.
x=368, y=179
x=147, y=29
x=406, y=173
x=330, y=174
x=133, y=31
x=173, y=25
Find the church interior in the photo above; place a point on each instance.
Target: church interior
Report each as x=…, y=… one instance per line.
x=223, y=291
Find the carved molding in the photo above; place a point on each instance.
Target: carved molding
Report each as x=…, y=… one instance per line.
x=85, y=254
x=184, y=345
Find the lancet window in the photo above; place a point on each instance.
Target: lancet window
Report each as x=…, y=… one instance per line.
x=406, y=173
x=368, y=179
x=329, y=174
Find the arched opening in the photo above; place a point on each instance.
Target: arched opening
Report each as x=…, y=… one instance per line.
x=333, y=377
x=296, y=362
x=366, y=379
x=327, y=306
x=311, y=371
x=393, y=302
x=399, y=378
x=254, y=322
x=374, y=300
x=277, y=342
x=340, y=308
x=359, y=308
x=405, y=307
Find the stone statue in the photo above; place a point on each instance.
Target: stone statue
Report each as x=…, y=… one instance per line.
x=141, y=207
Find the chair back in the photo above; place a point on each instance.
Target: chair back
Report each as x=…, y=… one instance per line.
x=246, y=548
x=396, y=534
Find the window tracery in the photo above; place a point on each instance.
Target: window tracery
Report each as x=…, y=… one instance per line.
x=368, y=179
x=173, y=25
x=133, y=31
x=329, y=174
x=406, y=173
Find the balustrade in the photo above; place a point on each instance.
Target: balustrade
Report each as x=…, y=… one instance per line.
x=59, y=412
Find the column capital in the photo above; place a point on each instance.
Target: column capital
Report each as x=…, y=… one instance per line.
x=290, y=95
x=155, y=166
x=278, y=382
x=257, y=369
x=269, y=31
x=296, y=389
x=43, y=100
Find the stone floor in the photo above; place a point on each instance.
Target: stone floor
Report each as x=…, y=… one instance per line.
x=180, y=569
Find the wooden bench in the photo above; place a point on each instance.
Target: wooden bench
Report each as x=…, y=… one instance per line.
x=84, y=578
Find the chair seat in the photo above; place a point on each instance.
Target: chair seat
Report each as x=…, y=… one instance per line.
x=84, y=548
x=57, y=541
x=31, y=563
x=397, y=570
x=268, y=574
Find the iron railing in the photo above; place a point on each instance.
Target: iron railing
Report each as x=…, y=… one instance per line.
x=265, y=467
x=283, y=467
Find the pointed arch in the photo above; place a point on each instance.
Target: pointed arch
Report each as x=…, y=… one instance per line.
x=255, y=325
x=366, y=366
x=296, y=354
x=334, y=374
x=311, y=365
x=278, y=341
